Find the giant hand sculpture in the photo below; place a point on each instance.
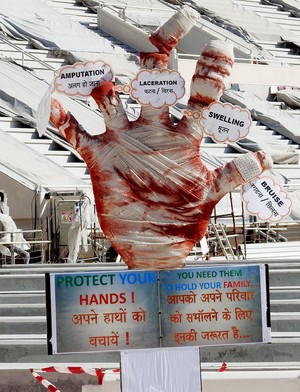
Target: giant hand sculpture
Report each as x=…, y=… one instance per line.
x=154, y=196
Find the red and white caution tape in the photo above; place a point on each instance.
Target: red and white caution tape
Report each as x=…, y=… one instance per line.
x=99, y=373
x=43, y=381
x=223, y=368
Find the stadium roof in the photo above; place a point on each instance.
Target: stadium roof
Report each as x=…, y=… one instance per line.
x=119, y=32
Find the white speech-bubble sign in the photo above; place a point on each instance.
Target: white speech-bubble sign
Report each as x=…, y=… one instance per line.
x=266, y=199
x=157, y=87
x=82, y=77
x=225, y=122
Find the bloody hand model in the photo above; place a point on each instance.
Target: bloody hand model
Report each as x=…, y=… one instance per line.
x=154, y=196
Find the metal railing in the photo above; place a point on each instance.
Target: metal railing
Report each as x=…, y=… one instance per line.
x=25, y=54
x=34, y=239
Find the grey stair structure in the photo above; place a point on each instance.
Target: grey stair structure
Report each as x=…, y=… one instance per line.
x=23, y=327
x=23, y=316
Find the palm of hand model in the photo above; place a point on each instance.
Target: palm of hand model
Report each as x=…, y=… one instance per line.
x=153, y=194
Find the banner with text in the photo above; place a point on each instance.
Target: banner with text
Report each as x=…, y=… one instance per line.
x=214, y=306
x=99, y=311
x=116, y=310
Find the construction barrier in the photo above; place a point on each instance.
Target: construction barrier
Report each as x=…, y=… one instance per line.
x=99, y=373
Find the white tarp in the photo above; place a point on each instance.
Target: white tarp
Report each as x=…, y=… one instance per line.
x=243, y=22
x=241, y=18
x=140, y=5
x=162, y=370
x=278, y=120
x=258, y=140
x=46, y=28
x=30, y=168
x=142, y=12
x=292, y=6
x=290, y=96
x=21, y=93
x=289, y=37
x=295, y=199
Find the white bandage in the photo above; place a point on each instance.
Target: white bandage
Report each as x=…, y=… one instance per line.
x=178, y=25
x=183, y=21
x=248, y=166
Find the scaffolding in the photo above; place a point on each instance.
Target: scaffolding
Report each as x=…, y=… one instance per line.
x=230, y=240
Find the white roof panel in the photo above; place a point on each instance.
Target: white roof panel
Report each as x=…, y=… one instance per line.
x=46, y=28
x=31, y=168
x=21, y=93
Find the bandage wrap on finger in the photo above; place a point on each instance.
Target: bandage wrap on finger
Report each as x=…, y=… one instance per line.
x=248, y=166
x=182, y=21
x=213, y=66
x=167, y=36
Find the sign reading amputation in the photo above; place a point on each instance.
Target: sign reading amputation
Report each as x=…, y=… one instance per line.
x=225, y=122
x=157, y=87
x=266, y=199
x=111, y=311
x=82, y=77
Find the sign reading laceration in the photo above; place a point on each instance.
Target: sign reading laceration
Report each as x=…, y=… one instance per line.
x=115, y=310
x=157, y=87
